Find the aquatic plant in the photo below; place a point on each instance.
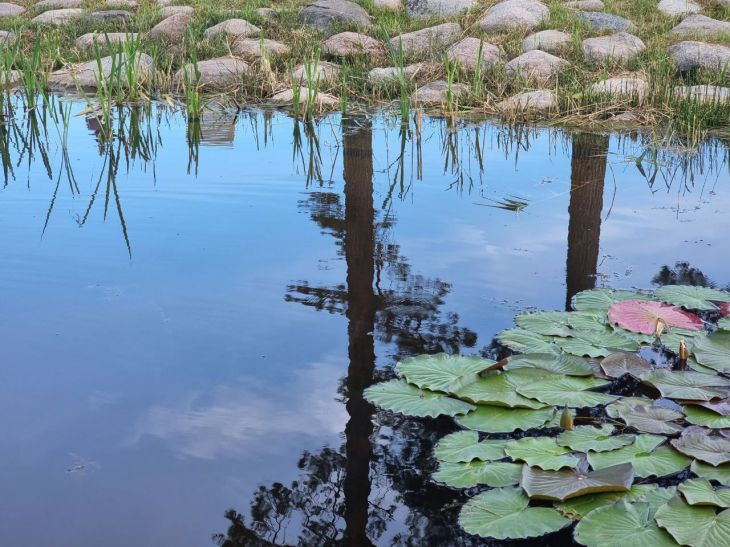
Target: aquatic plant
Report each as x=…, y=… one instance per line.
x=644, y=427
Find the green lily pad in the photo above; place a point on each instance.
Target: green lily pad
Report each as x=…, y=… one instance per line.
x=626, y=403
x=525, y=341
x=404, y=398
x=547, y=323
x=625, y=524
x=645, y=493
x=714, y=450
x=442, y=372
x=599, y=439
x=670, y=340
x=714, y=351
x=566, y=391
x=648, y=458
x=476, y=473
x=566, y=484
x=651, y=419
x=720, y=473
x=542, y=452
x=464, y=446
x=504, y=513
x=694, y=525
x=705, y=417
x=584, y=321
x=724, y=323
x=596, y=344
x=496, y=389
x=687, y=385
x=692, y=298
x=494, y=419
x=701, y=492
x=599, y=300
x=569, y=365
x=620, y=363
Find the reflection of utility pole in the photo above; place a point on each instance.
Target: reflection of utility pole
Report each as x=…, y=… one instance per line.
x=360, y=257
x=588, y=171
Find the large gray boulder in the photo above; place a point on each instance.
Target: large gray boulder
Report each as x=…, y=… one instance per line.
x=171, y=29
x=436, y=93
x=250, y=48
x=622, y=87
x=425, y=41
x=388, y=4
x=59, y=17
x=87, y=41
x=169, y=11
x=701, y=25
x=690, y=55
x=536, y=65
x=540, y=101
x=547, y=40
x=322, y=101
x=605, y=21
x=324, y=15
x=676, y=8
x=391, y=74
x=233, y=29
x=438, y=8
x=57, y=4
x=7, y=38
x=118, y=16
x=325, y=73
x=703, y=93
x=88, y=74
x=352, y=44
x=514, y=15
x=10, y=10
x=219, y=74
x=585, y=5
x=466, y=54
x=618, y=47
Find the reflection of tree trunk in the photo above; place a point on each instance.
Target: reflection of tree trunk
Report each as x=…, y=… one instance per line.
x=588, y=170
x=359, y=253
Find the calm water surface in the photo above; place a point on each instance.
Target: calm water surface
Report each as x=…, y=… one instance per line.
x=189, y=315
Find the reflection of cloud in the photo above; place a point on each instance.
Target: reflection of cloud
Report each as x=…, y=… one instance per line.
x=251, y=416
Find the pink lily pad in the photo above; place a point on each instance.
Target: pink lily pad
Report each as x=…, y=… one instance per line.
x=642, y=316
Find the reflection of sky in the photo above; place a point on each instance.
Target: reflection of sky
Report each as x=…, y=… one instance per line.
x=183, y=379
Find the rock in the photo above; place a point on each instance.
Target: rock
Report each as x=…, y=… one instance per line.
x=691, y=55
x=535, y=65
x=86, y=41
x=424, y=41
x=388, y=4
x=350, y=44
x=267, y=14
x=250, y=48
x=546, y=40
x=436, y=93
x=326, y=73
x=621, y=46
x=391, y=74
x=540, y=101
x=11, y=78
x=675, y=8
x=171, y=29
x=624, y=87
x=324, y=15
x=624, y=118
x=324, y=101
x=701, y=25
x=219, y=74
x=86, y=74
x=169, y=11
x=58, y=17
x=57, y=4
x=585, y=5
x=438, y=8
x=514, y=15
x=605, y=21
x=466, y=54
x=10, y=10
x=110, y=16
x=233, y=29
x=703, y=93
x=129, y=4
x=7, y=37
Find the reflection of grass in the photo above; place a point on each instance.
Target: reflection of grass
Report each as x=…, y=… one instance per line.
x=510, y=203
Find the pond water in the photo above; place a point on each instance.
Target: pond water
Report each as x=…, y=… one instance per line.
x=190, y=314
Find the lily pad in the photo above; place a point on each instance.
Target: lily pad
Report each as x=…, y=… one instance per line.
x=525, y=341
x=476, y=473
x=694, y=525
x=720, y=473
x=692, y=298
x=542, y=452
x=599, y=300
x=699, y=444
x=442, y=372
x=648, y=458
x=687, y=385
x=599, y=439
x=652, y=419
x=566, y=391
x=701, y=492
x=504, y=513
x=645, y=493
x=496, y=389
x=404, y=398
x=614, y=409
x=625, y=524
x=547, y=323
x=464, y=446
x=566, y=484
x=494, y=419
x=724, y=323
x=596, y=344
x=702, y=416
x=714, y=351
x=569, y=365
x=620, y=363
x=642, y=316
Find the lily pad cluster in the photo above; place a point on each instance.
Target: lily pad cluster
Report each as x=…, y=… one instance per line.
x=652, y=468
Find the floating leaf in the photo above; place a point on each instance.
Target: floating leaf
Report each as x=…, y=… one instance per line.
x=525, y=341
x=496, y=389
x=464, y=446
x=720, y=473
x=701, y=445
x=614, y=409
x=651, y=419
x=645, y=493
x=701, y=492
x=642, y=316
x=504, y=513
x=588, y=321
x=599, y=439
x=442, y=372
x=692, y=298
x=647, y=457
x=620, y=363
x=547, y=323
x=494, y=419
x=542, y=452
x=400, y=396
x=569, y=365
x=565, y=484
x=705, y=417
x=724, y=323
x=687, y=385
x=714, y=351
x=476, y=473
x=596, y=344
x=599, y=300
x=694, y=525
x=566, y=391
x=671, y=340
x=625, y=524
